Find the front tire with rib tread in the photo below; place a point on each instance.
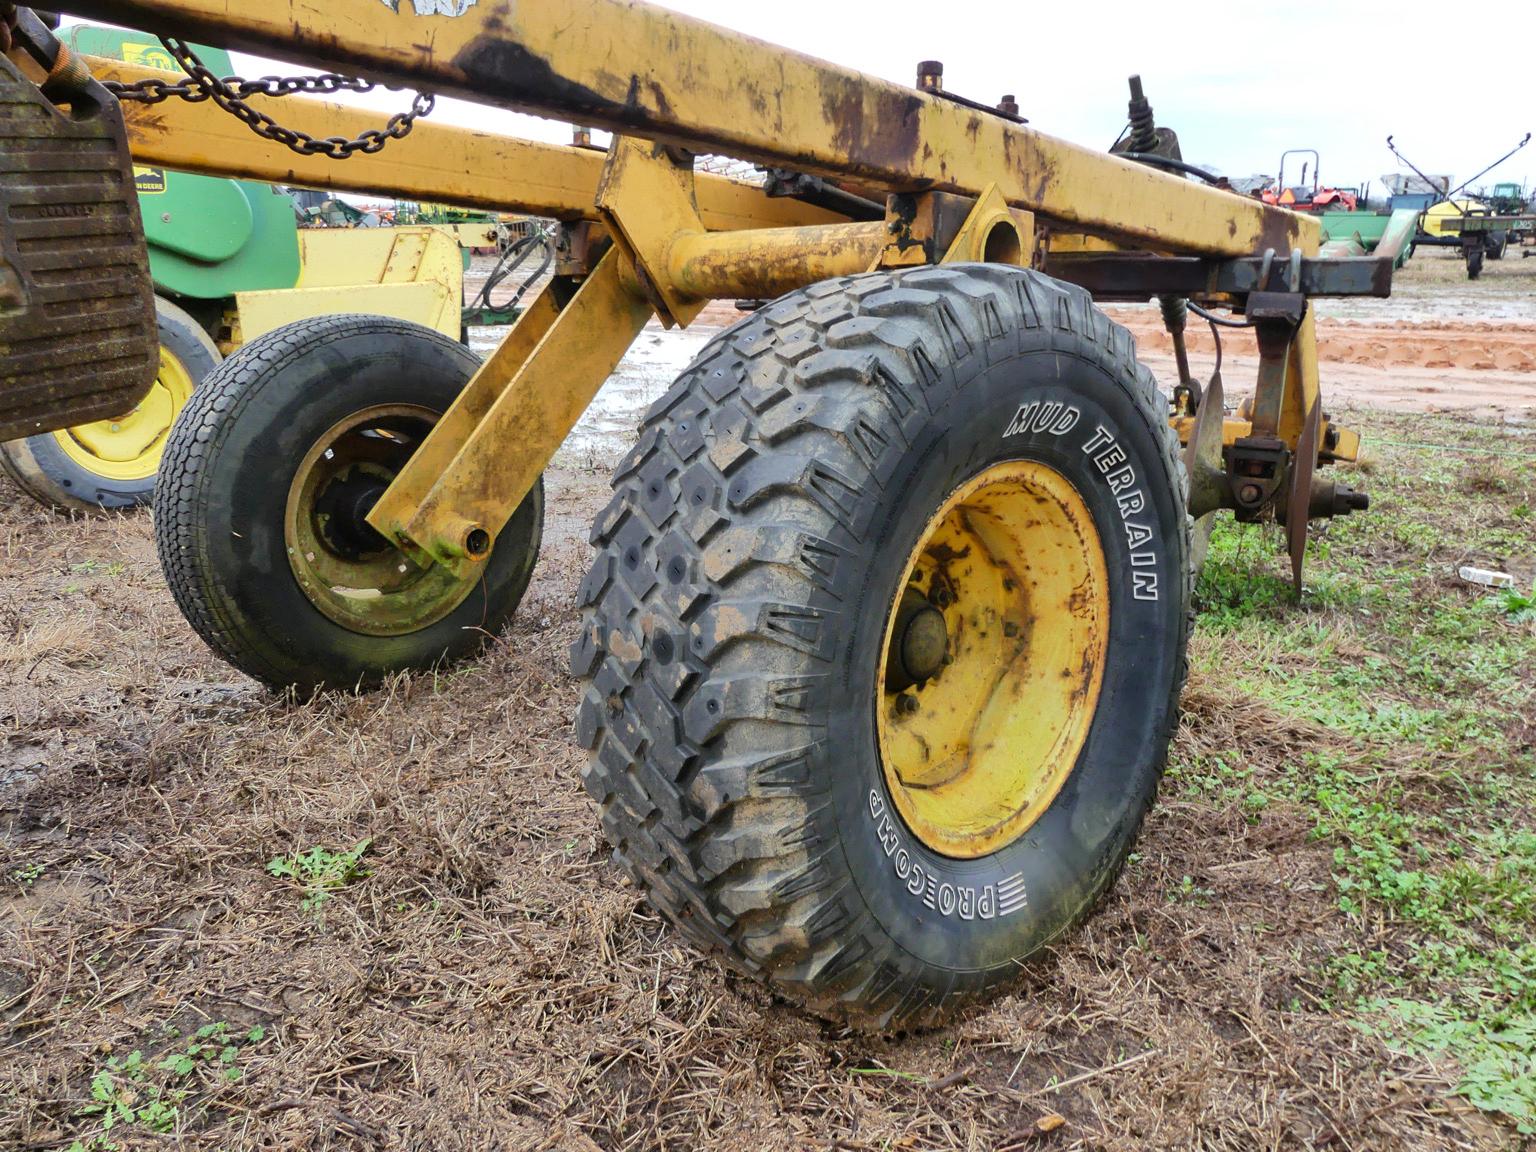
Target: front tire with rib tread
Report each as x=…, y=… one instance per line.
x=220, y=507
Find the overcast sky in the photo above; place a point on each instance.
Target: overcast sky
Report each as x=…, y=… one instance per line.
x=1240, y=83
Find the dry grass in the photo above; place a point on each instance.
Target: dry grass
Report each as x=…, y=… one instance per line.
x=491, y=983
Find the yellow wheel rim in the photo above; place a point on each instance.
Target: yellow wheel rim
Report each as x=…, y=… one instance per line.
x=129, y=447
x=349, y=572
x=993, y=658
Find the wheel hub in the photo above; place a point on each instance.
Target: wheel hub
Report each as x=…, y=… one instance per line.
x=343, y=509
x=348, y=570
x=919, y=642
x=993, y=659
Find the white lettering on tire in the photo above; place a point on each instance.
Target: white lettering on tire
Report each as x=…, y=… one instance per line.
x=956, y=901
x=1115, y=467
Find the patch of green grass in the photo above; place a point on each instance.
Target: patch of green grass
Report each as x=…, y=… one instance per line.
x=91, y=567
x=160, y=1095
x=1427, y=795
x=1498, y=1065
x=320, y=872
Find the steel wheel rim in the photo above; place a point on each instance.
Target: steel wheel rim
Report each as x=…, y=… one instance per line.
x=365, y=585
x=977, y=749
x=129, y=447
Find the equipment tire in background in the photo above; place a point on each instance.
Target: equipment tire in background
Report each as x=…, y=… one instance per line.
x=1498, y=243
x=739, y=630
x=258, y=515
x=111, y=464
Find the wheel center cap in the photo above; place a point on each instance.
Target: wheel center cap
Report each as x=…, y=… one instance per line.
x=919, y=642
x=923, y=642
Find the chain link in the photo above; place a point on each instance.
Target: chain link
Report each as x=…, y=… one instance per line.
x=232, y=93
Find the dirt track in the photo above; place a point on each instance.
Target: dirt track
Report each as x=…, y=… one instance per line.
x=1439, y=344
x=490, y=983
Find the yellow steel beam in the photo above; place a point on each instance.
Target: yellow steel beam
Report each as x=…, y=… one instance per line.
x=458, y=166
x=564, y=361
x=767, y=262
x=640, y=70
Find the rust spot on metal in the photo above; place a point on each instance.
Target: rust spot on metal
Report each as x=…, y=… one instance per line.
x=1082, y=601
x=493, y=64
x=1279, y=230
x=878, y=126
x=1085, y=683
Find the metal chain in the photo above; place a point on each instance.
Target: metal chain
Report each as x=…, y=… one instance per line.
x=232, y=93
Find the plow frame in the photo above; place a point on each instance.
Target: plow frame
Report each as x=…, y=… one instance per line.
x=656, y=238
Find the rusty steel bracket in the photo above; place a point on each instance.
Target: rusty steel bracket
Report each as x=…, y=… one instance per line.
x=1276, y=318
x=921, y=227
x=647, y=199
x=1286, y=399
x=1256, y=469
x=944, y=228
x=993, y=233
x=461, y=487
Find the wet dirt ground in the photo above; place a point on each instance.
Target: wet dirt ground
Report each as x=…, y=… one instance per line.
x=484, y=980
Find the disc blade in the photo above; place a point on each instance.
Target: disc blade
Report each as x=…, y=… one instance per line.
x=1299, y=494
x=1202, y=455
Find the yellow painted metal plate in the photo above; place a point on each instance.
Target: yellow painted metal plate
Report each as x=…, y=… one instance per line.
x=414, y=274
x=427, y=304
x=973, y=755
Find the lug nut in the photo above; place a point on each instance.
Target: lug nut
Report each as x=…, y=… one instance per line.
x=906, y=703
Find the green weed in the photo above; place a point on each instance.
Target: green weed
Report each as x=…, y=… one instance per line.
x=28, y=874
x=320, y=872
x=1519, y=606
x=160, y=1095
